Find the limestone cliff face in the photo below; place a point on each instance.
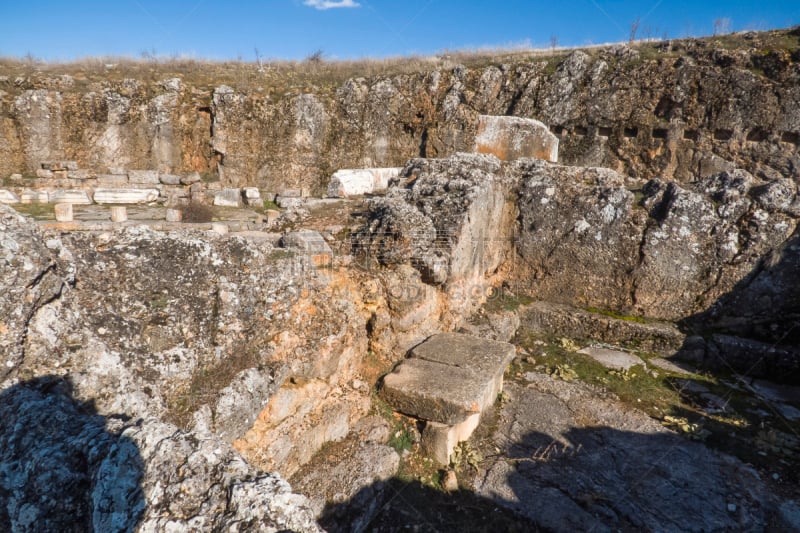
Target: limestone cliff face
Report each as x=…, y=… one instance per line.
x=719, y=252
x=681, y=110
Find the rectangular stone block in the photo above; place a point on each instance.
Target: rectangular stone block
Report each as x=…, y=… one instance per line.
x=448, y=378
x=125, y=196
x=251, y=193
x=118, y=171
x=169, y=179
x=354, y=182
x=289, y=202
x=509, y=138
x=437, y=392
x=306, y=241
x=484, y=356
x=33, y=197
x=228, y=198
x=70, y=196
x=8, y=197
x=192, y=177
x=78, y=174
x=44, y=173
x=144, y=177
x=174, y=215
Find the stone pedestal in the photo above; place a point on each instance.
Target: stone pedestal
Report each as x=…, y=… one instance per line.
x=64, y=212
x=220, y=228
x=119, y=214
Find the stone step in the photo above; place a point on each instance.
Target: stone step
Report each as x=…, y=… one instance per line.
x=448, y=381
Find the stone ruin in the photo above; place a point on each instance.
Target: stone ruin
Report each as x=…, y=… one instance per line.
x=447, y=383
x=509, y=138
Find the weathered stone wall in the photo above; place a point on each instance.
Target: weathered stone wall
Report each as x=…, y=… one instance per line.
x=687, y=110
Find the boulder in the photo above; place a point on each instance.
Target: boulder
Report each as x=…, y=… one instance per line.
x=451, y=219
x=510, y=138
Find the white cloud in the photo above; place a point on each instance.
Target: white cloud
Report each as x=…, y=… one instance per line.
x=330, y=4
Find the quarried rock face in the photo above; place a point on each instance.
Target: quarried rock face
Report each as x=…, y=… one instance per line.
x=592, y=238
x=450, y=219
x=30, y=277
x=65, y=468
x=689, y=110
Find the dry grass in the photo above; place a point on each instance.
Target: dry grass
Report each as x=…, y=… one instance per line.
x=197, y=212
x=316, y=74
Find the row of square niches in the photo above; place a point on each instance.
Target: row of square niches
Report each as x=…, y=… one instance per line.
x=754, y=135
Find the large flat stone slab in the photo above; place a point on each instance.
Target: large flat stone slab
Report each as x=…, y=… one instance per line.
x=448, y=381
x=449, y=378
x=125, y=196
x=483, y=356
x=510, y=138
x=70, y=196
x=437, y=392
x=614, y=359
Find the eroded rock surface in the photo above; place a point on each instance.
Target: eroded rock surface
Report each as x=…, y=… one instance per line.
x=65, y=468
x=573, y=460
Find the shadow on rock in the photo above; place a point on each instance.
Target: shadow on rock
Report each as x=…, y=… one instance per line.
x=400, y=505
x=602, y=479
x=755, y=328
x=62, y=468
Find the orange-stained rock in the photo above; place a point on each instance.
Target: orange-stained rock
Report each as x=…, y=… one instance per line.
x=510, y=138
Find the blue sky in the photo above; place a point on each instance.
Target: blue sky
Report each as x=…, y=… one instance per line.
x=294, y=29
